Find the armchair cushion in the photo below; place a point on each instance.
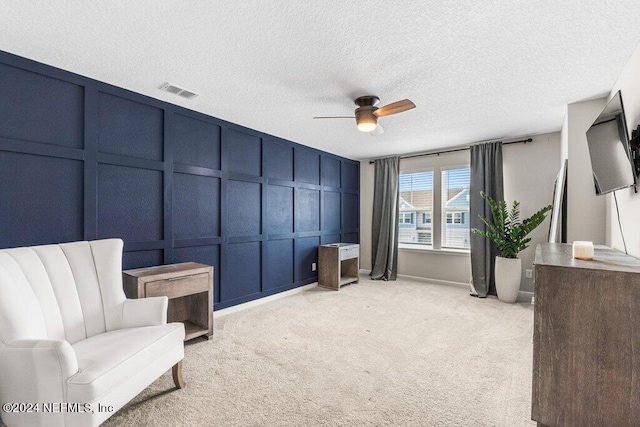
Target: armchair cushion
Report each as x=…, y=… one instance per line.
x=108, y=359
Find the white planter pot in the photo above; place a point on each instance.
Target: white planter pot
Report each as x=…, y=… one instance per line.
x=508, y=274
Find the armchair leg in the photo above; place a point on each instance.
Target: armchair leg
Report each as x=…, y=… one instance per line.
x=177, y=375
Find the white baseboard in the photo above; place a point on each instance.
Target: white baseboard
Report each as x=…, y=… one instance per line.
x=524, y=296
x=422, y=279
x=257, y=302
x=436, y=281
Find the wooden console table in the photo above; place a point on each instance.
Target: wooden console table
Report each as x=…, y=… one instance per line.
x=585, y=338
x=189, y=287
x=339, y=264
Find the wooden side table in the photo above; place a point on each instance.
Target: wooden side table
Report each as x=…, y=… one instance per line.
x=339, y=264
x=189, y=287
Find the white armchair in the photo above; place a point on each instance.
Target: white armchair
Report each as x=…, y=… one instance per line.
x=73, y=349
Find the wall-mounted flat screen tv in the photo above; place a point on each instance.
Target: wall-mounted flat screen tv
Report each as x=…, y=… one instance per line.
x=608, y=143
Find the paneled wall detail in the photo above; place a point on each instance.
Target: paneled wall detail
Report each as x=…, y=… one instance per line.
x=85, y=160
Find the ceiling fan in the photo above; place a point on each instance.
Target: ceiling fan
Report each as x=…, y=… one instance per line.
x=367, y=113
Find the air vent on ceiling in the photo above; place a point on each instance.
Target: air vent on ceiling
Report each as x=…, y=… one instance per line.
x=168, y=87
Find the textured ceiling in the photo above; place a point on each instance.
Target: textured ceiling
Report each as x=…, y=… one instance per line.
x=476, y=70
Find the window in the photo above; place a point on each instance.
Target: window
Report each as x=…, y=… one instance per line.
x=424, y=238
x=455, y=217
x=455, y=208
x=417, y=217
x=406, y=218
x=416, y=206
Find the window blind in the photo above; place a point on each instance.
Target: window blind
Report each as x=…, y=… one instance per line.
x=455, y=208
x=416, y=208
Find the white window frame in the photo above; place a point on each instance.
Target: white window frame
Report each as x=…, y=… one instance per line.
x=436, y=214
x=459, y=214
x=415, y=245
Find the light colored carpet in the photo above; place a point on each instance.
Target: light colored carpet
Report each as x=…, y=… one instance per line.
x=374, y=353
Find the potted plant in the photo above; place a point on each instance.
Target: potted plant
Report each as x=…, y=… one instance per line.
x=510, y=237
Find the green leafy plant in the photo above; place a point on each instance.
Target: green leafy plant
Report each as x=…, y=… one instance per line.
x=505, y=229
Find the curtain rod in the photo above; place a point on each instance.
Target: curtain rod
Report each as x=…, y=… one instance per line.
x=437, y=153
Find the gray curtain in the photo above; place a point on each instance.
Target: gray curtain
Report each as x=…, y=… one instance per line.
x=486, y=175
x=384, y=231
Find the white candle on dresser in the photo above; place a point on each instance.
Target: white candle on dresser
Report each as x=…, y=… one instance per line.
x=583, y=250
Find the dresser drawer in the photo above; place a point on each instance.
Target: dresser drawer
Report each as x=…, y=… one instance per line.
x=349, y=252
x=179, y=286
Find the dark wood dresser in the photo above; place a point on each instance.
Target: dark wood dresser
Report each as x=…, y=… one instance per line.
x=586, y=338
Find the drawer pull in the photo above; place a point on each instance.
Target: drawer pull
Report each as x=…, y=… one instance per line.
x=175, y=287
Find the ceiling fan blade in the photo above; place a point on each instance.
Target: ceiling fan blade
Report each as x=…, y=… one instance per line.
x=377, y=131
x=335, y=117
x=395, y=108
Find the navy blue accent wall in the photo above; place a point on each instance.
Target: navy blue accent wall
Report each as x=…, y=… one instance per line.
x=81, y=159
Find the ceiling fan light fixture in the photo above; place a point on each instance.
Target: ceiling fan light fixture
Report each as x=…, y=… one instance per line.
x=367, y=113
x=366, y=126
x=366, y=121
